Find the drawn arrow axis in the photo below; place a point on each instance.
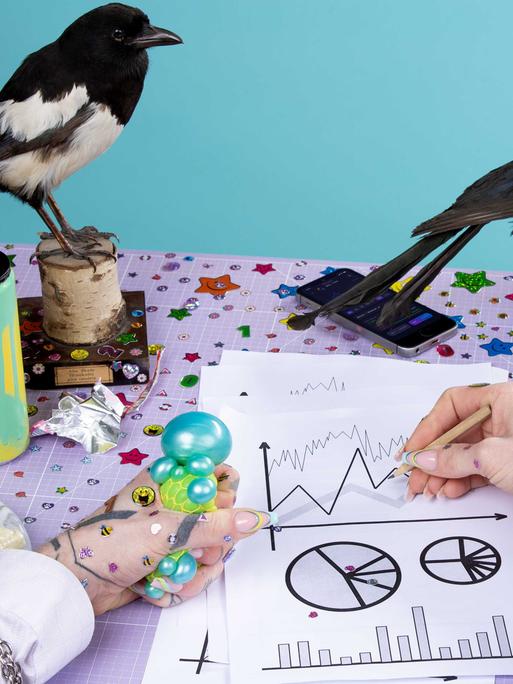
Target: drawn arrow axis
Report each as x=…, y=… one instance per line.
x=496, y=516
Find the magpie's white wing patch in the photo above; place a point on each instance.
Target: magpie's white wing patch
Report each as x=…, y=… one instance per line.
x=45, y=169
x=27, y=119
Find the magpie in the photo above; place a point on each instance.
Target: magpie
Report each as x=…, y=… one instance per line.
x=66, y=104
x=488, y=199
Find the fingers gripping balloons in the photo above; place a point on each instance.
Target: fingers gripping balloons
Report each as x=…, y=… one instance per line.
x=193, y=445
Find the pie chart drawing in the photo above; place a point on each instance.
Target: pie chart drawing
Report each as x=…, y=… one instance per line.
x=460, y=560
x=343, y=576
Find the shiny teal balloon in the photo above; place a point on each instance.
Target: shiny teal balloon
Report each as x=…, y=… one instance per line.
x=167, y=565
x=160, y=470
x=201, y=490
x=196, y=434
x=200, y=465
x=153, y=592
x=177, y=472
x=186, y=569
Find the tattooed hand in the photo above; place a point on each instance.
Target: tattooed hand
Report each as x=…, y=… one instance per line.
x=113, y=549
x=485, y=454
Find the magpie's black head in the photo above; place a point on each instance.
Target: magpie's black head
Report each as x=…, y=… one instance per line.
x=114, y=32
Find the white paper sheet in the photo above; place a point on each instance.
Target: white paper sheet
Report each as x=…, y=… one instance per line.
x=293, y=604
x=342, y=373
x=178, y=653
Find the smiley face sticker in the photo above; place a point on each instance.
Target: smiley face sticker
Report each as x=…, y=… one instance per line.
x=143, y=496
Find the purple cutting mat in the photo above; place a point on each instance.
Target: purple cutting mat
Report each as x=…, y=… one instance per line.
x=54, y=484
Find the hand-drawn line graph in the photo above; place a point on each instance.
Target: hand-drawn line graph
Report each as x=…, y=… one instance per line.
x=297, y=458
x=460, y=560
x=331, y=386
x=340, y=585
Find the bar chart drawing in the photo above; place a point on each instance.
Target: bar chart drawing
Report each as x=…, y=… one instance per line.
x=460, y=560
x=420, y=646
x=348, y=576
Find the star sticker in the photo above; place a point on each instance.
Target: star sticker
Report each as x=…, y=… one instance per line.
x=191, y=357
x=132, y=457
x=218, y=344
x=29, y=327
x=510, y=333
x=213, y=363
x=86, y=460
x=482, y=336
x=472, y=282
x=126, y=338
x=328, y=270
x=399, y=284
x=466, y=355
x=284, y=291
x=496, y=347
x=217, y=286
x=354, y=352
x=179, y=314
x=61, y=490
x=285, y=321
x=264, y=268
x=34, y=447
x=130, y=275
x=480, y=324
x=459, y=321
x=56, y=468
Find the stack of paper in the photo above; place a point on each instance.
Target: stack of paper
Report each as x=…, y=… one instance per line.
x=352, y=583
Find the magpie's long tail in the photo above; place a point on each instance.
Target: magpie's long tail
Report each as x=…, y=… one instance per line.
x=377, y=281
x=399, y=305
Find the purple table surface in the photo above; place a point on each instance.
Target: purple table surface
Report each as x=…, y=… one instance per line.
x=55, y=483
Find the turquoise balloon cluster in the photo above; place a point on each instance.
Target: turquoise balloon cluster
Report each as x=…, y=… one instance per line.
x=193, y=445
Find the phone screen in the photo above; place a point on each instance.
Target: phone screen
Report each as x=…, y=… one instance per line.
x=420, y=324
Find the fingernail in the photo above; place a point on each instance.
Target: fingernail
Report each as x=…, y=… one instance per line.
x=427, y=460
x=196, y=553
x=428, y=495
x=409, y=495
x=166, y=585
x=251, y=521
x=441, y=494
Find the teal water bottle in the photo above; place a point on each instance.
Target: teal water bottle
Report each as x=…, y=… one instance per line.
x=14, y=429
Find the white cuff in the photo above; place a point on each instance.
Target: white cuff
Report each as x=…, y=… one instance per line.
x=45, y=613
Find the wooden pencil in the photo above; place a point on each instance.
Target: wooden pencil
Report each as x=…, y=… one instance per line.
x=449, y=436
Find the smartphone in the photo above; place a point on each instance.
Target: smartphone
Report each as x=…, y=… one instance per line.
x=410, y=335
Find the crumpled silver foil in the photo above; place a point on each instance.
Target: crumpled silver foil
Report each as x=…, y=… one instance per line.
x=95, y=423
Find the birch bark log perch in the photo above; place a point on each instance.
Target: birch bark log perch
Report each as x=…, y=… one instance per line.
x=81, y=306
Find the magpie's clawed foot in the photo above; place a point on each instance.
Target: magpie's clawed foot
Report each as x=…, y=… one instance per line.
x=90, y=234
x=77, y=252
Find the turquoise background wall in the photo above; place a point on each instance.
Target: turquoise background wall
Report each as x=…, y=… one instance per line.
x=308, y=128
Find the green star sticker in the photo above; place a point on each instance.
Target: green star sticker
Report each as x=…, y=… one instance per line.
x=126, y=338
x=179, y=314
x=472, y=282
x=61, y=490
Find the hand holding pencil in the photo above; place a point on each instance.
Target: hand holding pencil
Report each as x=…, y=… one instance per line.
x=450, y=460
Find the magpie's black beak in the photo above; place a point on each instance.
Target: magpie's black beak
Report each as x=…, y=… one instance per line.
x=152, y=36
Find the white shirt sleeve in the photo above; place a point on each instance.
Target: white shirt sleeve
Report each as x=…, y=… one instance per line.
x=45, y=614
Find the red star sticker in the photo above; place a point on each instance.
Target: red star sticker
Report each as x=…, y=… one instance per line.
x=191, y=357
x=132, y=457
x=264, y=268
